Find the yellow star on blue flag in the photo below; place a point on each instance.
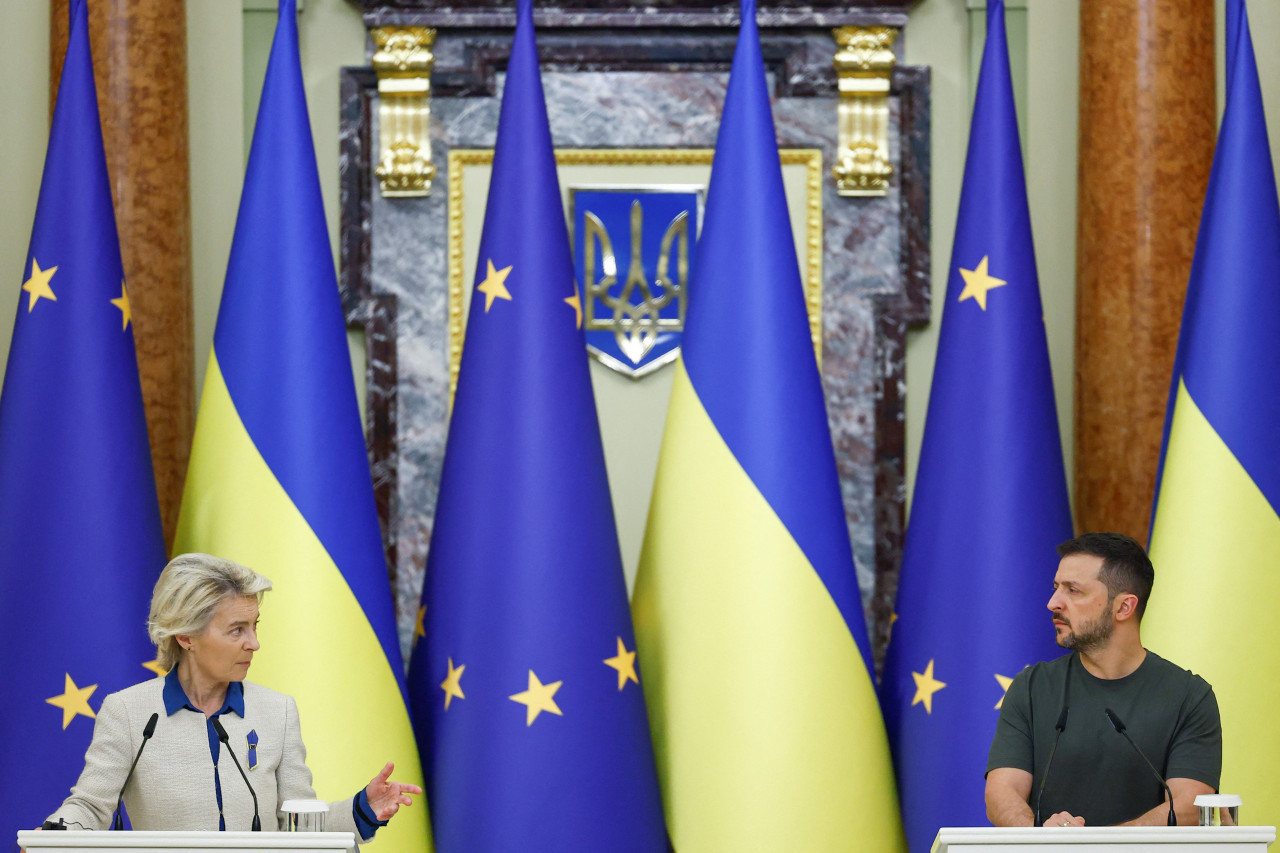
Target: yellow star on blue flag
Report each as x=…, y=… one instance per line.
x=73, y=701
x=122, y=302
x=978, y=283
x=538, y=697
x=926, y=686
x=38, y=285
x=494, y=285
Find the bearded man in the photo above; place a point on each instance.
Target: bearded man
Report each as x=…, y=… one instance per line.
x=1057, y=757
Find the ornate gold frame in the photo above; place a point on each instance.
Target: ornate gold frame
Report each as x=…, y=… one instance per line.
x=461, y=158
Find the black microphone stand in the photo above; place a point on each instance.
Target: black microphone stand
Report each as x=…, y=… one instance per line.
x=117, y=822
x=222, y=736
x=1120, y=727
x=1059, y=726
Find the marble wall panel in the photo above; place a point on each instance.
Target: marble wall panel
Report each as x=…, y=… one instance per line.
x=603, y=92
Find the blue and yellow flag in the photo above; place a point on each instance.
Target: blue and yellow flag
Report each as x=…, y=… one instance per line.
x=527, y=700
x=279, y=477
x=80, y=538
x=748, y=615
x=1215, y=541
x=990, y=501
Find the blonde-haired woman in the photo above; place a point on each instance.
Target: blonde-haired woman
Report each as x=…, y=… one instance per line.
x=204, y=618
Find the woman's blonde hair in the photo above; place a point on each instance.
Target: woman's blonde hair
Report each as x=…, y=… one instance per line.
x=189, y=589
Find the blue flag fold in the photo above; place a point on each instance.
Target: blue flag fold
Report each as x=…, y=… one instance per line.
x=79, y=518
x=526, y=697
x=990, y=501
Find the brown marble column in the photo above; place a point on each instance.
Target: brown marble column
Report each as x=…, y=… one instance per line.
x=140, y=62
x=1147, y=127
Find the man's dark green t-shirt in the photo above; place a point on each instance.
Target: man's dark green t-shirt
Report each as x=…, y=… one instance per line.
x=1171, y=713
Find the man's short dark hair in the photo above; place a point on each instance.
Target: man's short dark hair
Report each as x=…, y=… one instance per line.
x=1125, y=564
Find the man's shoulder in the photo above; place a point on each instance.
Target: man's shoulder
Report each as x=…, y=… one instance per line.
x=1168, y=673
x=1053, y=670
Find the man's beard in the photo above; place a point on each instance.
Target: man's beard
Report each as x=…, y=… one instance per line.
x=1091, y=636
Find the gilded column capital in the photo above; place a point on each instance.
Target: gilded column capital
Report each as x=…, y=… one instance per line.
x=864, y=62
x=403, y=61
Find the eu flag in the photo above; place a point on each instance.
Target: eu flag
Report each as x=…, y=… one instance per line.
x=1215, y=541
x=79, y=520
x=990, y=501
x=751, y=628
x=526, y=695
x=279, y=476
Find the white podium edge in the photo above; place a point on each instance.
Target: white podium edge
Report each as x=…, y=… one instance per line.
x=30, y=839
x=1102, y=835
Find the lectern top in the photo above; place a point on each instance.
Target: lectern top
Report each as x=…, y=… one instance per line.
x=1201, y=839
x=71, y=841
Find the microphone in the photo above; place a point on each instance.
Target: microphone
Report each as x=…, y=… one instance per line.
x=1059, y=726
x=118, y=821
x=1119, y=727
x=222, y=736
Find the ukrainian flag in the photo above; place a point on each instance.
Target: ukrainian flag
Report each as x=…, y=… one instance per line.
x=80, y=538
x=279, y=477
x=748, y=615
x=1215, y=540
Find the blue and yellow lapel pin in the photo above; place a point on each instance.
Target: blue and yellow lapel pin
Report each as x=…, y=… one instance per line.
x=253, y=749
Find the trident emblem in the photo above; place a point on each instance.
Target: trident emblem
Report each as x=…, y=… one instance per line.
x=634, y=326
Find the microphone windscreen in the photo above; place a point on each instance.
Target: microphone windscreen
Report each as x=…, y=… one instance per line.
x=151, y=726
x=217, y=727
x=1115, y=721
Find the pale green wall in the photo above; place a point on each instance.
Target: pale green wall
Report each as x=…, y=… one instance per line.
x=214, y=85
x=332, y=35
x=939, y=36
x=24, y=131
x=947, y=36
x=225, y=64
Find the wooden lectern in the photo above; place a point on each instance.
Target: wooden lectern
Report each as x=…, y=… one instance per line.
x=1087, y=839
x=79, y=841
